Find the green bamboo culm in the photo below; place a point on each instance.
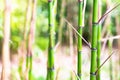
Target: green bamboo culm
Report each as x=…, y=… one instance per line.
x=27, y=61
x=50, y=65
x=99, y=43
x=31, y=37
x=93, y=67
x=80, y=26
x=29, y=65
x=98, y=51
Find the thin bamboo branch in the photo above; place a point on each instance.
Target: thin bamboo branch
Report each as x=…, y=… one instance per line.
x=84, y=7
x=110, y=38
x=76, y=75
x=88, y=44
x=107, y=12
x=104, y=62
x=104, y=43
x=56, y=46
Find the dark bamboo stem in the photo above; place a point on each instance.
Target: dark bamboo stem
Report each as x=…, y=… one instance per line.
x=99, y=44
x=50, y=65
x=94, y=41
x=80, y=26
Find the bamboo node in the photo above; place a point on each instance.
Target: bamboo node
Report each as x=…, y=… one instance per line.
x=93, y=49
x=79, y=74
x=29, y=55
x=93, y=73
x=50, y=25
x=80, y=26
x=51, y=48
x=51, y=69
x=79, y=52
x=95, y=23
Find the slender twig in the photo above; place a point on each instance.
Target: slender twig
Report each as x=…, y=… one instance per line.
x=76, y=75
x=78, y=33
x=107, y=12
x=104, y=43
x=110, y=38
x=56, y=46
x=84, y=7
x=105, y=61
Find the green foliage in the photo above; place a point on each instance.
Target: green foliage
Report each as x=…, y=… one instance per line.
x=15, y=42
x=42, y=43
x=18, y=21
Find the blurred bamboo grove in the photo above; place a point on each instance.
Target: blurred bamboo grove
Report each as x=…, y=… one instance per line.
x=59, y=39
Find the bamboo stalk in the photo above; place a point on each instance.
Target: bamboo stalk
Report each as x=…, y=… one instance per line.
x=94, y=41
x=50, y=65
x=31, y=39
x=5, y=47
x=80, y=26
x=99, y=44
x=98, y=51
x=23, y=47
x=27, y=19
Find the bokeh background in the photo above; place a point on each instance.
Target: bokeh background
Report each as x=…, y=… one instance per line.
x=65, y=39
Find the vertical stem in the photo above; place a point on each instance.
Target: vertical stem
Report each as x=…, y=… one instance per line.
x=99, y=44
x=6, y=39
x=80, y=26
x=94, y=41
x=23, y=46
x=98, y=51
x=31, y=39
x=50, y=65
x=30, y=71
x=27, y=19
